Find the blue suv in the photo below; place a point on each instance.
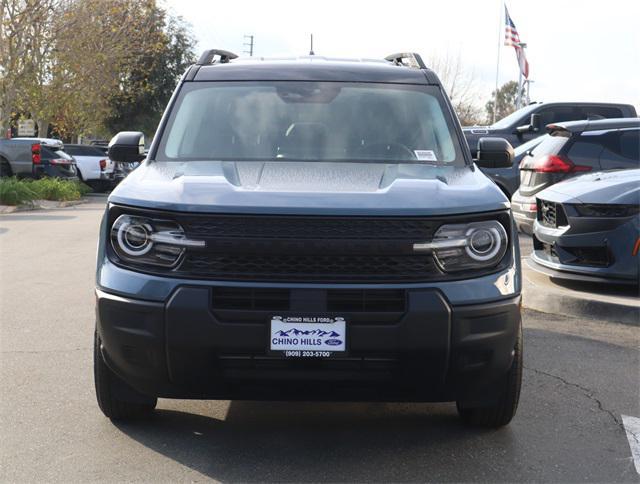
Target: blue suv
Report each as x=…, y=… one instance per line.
x=309, y=229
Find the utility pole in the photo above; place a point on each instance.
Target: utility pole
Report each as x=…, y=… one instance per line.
x=500, y=37
x=249, y=44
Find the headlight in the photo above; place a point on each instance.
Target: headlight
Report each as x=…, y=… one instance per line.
x=474, y=245
x=606, y=210
x=143, y=240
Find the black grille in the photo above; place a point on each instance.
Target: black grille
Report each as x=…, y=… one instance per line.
x=308, y=248
x=551, y=214
x=295, y=248
x=311, y=267
x=300, y=227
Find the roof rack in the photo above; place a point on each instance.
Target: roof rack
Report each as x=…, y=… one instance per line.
x=207, y=57
x=409, y=59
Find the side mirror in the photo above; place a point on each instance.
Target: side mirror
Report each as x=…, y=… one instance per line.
x=494, y=153
x=127, y=147
x=535, y=123
x=532, y=127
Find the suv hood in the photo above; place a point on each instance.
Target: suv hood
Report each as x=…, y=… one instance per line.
x=309, y=187
x=607, y=187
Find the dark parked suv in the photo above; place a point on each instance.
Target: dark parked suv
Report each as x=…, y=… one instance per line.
x=524, y=127
x=529, y=122
x=573, y=149
x=309, y=229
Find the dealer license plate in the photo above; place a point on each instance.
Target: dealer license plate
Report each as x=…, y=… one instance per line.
x=307, y=336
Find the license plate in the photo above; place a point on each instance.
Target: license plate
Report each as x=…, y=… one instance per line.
x=307, y=336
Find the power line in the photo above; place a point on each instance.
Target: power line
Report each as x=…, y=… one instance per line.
x=249, y=44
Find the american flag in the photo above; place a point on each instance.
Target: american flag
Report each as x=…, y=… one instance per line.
x=511, y=37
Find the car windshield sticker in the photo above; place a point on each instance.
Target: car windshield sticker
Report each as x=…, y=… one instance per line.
x=425, y=155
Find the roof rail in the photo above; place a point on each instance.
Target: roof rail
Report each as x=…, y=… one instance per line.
x=412, y=59
x=207, y=57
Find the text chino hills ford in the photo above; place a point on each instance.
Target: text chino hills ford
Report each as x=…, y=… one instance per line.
x=309, y=229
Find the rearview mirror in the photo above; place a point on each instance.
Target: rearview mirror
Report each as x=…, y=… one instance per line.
x=127, y=147
x=494, y=153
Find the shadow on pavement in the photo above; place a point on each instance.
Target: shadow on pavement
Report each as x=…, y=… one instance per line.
x=610, y=288
x=279, y=441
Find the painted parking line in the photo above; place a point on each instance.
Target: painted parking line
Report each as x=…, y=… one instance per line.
x=632, y=427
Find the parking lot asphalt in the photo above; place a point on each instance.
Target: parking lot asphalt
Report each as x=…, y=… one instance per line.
x=580, y=377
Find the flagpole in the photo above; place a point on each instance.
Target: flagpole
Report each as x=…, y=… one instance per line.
x=500, y=35
x=519, y=96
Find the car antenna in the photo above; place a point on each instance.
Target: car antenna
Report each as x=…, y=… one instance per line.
x=311, y=51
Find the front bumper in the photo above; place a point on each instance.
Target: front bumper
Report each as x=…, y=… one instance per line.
x=592, y=255
x=184, y=347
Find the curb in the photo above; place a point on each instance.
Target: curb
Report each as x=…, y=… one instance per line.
x=601, y=302
x=40, y=205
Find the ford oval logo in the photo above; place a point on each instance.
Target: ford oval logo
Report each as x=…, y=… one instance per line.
x=333, y=342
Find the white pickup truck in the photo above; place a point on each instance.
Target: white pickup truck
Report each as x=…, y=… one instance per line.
x=93, y=166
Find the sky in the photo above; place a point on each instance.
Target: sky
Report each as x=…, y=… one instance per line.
x=578, y=50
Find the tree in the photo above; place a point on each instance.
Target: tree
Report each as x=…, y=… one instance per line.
x=25, y=46
x=81, y=63
x=507, y=94
x=150, y=77
x=460, y=85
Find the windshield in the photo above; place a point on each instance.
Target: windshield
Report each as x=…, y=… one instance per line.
x=315, y=121
x=513, y=117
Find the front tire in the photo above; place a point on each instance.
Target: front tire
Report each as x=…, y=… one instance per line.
x=501, y=412
x=112, y=392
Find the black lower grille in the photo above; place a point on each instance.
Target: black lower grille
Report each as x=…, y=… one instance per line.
x=332, y=300
x=366, y=300
x=589, y=256
x=254, y=299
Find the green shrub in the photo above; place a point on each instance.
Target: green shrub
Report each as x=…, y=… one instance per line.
x=15, y=192
x=19, y=192
x=83, y=188
x=56, y=189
